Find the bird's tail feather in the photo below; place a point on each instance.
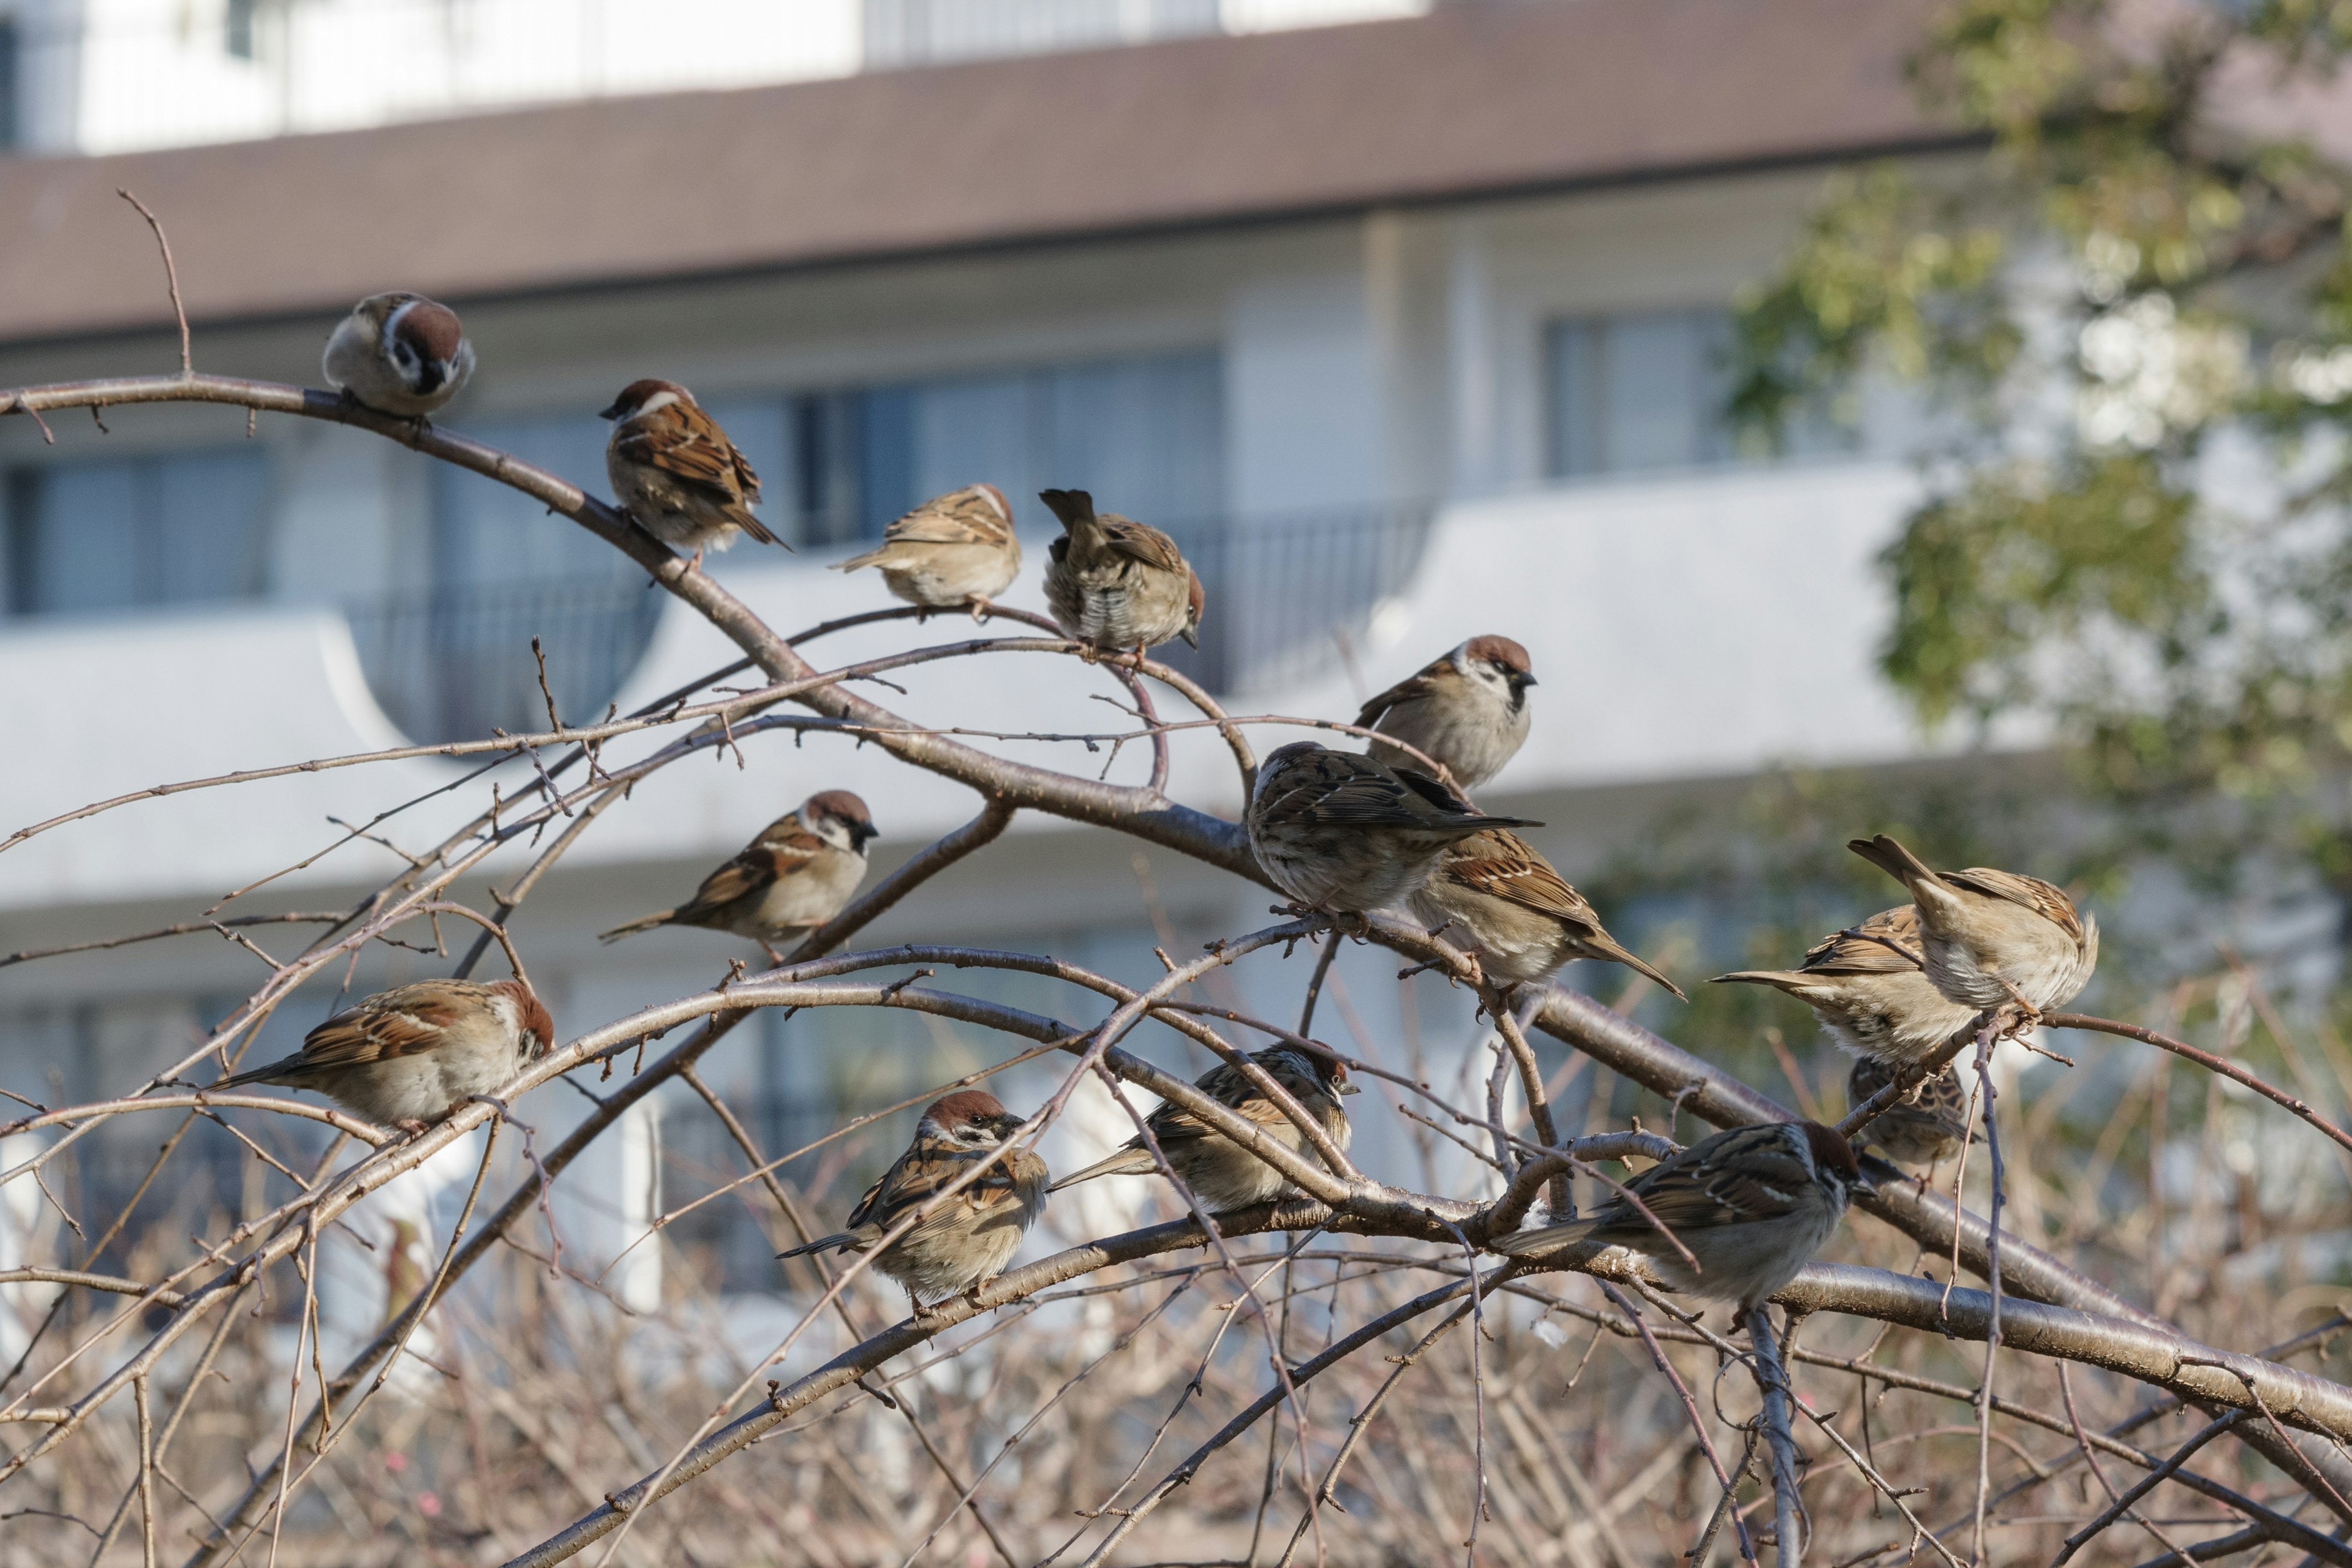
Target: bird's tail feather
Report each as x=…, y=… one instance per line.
x=838, y=1238
x=1641, y=965
x=659, y=917
x=272, y=1072
x=871, y=558
x=1894, y=859
x=1549, y=1238
x=1778, y=979
x=1127, y=1162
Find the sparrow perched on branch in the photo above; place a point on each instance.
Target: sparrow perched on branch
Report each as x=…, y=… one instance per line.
x=1521, y=916
x=1339, y=831
x=408, y=1057
x=966, y=1241
x=1115, y=584
x=1925, y=1131
x=1752, y=1206
x=794, y=877
x=1221, y=1173
x=953, y=551
x=1991, y=937
x=673, y=470
x=399, y=354
x=1467, y=711
x=1868, y=985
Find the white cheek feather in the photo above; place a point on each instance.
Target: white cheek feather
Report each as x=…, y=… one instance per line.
x=657, y=401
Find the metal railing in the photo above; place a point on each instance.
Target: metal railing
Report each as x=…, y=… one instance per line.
x=451, y=664
x=1287, y=595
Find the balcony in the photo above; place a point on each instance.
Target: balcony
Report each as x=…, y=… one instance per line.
x=449, y=664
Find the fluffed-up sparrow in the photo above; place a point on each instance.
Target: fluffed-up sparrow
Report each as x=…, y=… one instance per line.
x=953, y=551
x=1752, y=1204
x=1467, y=711
x=1868, y=985
x=1520, y=916
x=1339, y=831
x=968, y=1238
x=673, y=470
x=1927, y=1130
x=408, y=1057
x=1117, y=584
x=1991, y=937
x=1221, y=1173
x=794, y=877
x=399, y=354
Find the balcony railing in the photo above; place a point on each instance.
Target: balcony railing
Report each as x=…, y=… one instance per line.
x=1287, y=595
x=456, y=663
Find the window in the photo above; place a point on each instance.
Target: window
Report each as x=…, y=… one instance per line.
x=923, y=32
x=1146, y=435
x=12, y=115
x=237, y=28
x=137, y=531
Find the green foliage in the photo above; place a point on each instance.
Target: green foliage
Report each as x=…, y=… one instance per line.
x=2076, y=564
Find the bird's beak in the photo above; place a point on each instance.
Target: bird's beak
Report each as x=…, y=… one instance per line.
x=1865, y=1185
x=1527, y=681
x=1192, y=638
x=612, y=413
x=864, y=833
x=1347, y=1088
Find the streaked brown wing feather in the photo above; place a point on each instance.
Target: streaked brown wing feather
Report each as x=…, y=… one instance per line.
x=377, y=1030
x=683, y=443
x=971, y=521
x=1142, y=542
x=1336, y=789
x=756, y=869
x=1886, y=944
x=2032, y=892
x=920, y=1174
x=1688, y=1191
x=1412, y=689
x=1503, y=864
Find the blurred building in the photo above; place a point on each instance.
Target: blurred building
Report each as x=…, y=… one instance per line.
x=1409, y=330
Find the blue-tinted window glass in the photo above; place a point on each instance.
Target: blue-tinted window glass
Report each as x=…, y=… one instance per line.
x=119, y=533
x=484, y=532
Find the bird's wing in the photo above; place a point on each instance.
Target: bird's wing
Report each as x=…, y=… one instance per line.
x=2032, y=892
x=1229, y=1086
x=967, y=517
x=784, y=847
x=1412, y=689
x=1886, y=944
x=1753, y=1174
x=1140, y=542
x=1500, y=863
x=919, y=1175
x=401, y=1022
x=1341, y=789
x=684, y=442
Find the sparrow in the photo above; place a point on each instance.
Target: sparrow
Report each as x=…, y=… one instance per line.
x=1115, y=584
x=1467, y=712
x=408, y=1057
x=1752, y=1204
x=1868, y=985
x=673, y=470
x=1339, y=831
x=792, y=879
x=1991, y=937
x=1520, y=916
x=399, y=354
x=953, y=551
x=1221, y=1173
x=1927, y=1130
x=968, y=1240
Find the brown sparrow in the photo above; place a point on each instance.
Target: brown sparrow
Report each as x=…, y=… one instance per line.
x=412, y=1055
x=1337, y=831
x=1221, y=1173
x=1115, y=584
x=1519, y=915
x=1752, y=1204
x=1925, y=1131
x=952, y=550
x=1467, y=712
x=792, y=879
x=1868, y=985
x=673, y=470
x=967, y=1240
x=399, y=354
x=1991, y=937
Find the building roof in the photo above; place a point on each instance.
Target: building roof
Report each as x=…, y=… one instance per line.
x=1480, y=98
